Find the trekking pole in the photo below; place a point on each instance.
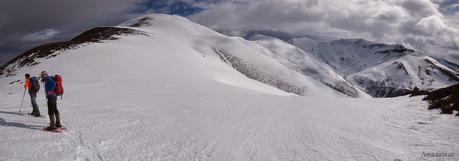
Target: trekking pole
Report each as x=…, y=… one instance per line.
x=20, y=108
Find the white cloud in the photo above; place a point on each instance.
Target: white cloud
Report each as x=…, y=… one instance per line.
x=42, y=35
x=431, y=25
x=420, y=8
x=415, y=23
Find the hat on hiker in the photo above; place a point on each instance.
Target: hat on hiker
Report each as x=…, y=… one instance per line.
x=43, y=74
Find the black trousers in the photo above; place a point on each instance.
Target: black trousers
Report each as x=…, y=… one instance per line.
x=52, y=106
x=33, y=100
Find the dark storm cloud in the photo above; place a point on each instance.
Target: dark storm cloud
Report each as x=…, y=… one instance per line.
x=25, y=16
x=26, y=23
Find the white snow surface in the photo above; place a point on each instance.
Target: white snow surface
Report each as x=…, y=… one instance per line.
x=167, y=95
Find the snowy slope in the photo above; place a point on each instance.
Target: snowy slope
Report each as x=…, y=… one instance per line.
x=379, y=69
x=247, y=57
x=308, y=65
x=165, y=93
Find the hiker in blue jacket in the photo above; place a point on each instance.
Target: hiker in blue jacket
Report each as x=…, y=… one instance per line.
x=50, y=90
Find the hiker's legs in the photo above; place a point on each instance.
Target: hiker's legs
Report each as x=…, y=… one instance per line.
x=51, y=109
x=58, y=118
x=58, y=121
x=33, y=100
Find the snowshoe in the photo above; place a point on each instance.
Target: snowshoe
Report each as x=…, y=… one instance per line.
x=55, y=129
x=35, y=114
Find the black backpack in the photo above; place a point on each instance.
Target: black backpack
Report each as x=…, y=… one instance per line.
x=34, y=84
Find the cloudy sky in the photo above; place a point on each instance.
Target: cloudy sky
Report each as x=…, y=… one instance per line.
x=426, y=25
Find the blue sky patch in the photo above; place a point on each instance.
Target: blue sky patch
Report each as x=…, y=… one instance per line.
x=176, y=8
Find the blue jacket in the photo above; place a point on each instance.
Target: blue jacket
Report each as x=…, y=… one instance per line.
x=50, y=86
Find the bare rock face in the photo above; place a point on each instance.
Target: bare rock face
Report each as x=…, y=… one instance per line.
x=146, y=21
x=445, y=99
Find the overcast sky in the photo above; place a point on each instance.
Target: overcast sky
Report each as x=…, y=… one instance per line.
x=429, y=26
x=426, y=25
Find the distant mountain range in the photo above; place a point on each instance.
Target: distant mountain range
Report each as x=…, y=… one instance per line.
x=381, y=70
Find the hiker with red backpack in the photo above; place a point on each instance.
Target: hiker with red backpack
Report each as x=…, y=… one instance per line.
x=52, y=91
x=33, y=87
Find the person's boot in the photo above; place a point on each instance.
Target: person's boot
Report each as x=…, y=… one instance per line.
x=37, y=111
x=52, y=124
x=58, y=121
x=36, y=114
x=34, y=111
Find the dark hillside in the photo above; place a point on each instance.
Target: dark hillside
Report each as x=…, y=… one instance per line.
x=93, y=35
x=445, y=99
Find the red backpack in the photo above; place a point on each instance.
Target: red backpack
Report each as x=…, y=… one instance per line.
x=59, y=87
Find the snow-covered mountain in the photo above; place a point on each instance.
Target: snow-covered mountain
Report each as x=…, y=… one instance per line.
x=161, y=87
x=305, y=63
x=381, y=70
x=250, y=59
